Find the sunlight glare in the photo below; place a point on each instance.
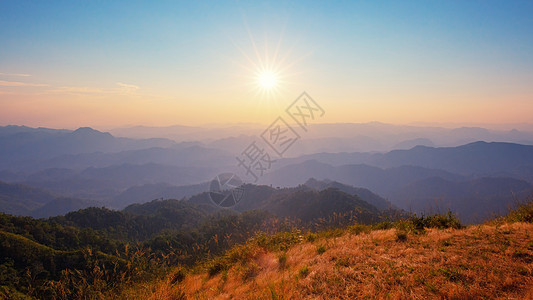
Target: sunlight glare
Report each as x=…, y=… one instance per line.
x=267, y=79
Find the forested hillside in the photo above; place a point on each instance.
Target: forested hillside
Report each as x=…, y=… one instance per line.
x=98, y=249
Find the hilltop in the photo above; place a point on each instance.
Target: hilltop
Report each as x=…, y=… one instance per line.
x=97, y=251
x=477, y=262
x=425, y=257
x=175, y=249
x=320, y=239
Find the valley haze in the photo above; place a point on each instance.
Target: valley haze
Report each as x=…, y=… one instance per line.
x=417, y=169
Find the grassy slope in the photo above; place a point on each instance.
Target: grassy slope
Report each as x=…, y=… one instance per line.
x=485, y=261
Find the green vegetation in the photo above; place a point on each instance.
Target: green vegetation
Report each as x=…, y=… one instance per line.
x=96, y=252
x=304, y=271
x=279, y=241
x=524, y=213
x=448, y=220
x=428, y=256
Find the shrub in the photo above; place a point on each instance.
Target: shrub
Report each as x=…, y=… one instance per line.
x=382, y=225
x=441, y=221
x=523, y=255
x=242, y=253
x=332, y=232
x=178, y=276
x=524, y=212
x=342, y=262
x=310, y=237
x=401, y=236
x=452, y=274
x=320, y=249
x=250, y=270
x=304, y=271
x=216, y=265
x=282, y=259
x=280, y=241
x=359, y=228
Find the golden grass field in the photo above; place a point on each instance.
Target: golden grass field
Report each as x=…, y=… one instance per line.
x=490, y=261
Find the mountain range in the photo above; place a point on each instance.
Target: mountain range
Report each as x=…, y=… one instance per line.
x=87, y=166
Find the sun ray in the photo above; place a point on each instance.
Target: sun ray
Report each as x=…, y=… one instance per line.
x=268, y=65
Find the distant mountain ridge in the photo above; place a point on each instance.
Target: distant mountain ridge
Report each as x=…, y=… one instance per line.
x=342, y=137
x=381, y=181
x=474, y=201
x=474, y=159
x=418, y=189
x=148, y=192
x=106, y=183
x=311, y=201
x=363, y=193
x=18, y=199
x=90, y=164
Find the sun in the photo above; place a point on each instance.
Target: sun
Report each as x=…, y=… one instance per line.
x=268, y=70
x=267, y=79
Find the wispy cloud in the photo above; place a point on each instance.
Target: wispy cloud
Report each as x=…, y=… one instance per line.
x=128, y=87
x=15, y=74
x=78, y=90
x=123, y=88
x=120, y=89
x=17, y=83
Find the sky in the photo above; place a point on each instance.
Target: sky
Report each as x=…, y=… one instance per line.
x=106, y=64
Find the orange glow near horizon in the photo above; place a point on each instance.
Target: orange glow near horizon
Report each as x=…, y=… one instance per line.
x=201, y=63
x=110, y=111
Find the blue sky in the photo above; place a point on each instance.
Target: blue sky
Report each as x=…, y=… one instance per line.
x=390, y=61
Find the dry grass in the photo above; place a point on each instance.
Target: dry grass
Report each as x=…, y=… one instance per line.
x=478, y=262
x=159, y=290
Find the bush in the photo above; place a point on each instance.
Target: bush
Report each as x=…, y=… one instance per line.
x=178, y=276
x=216, y=265
x=242, y=253
x=280, y=241
x=401, y=236
x=282, y=259
x=250, y=270
x=453, y=274
x=359, y=228
x=311, y=237
x=524, y=212
x=304, y=271
x=382, y=225
x=320, y=249
x=441, y=221
x=332, y=233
